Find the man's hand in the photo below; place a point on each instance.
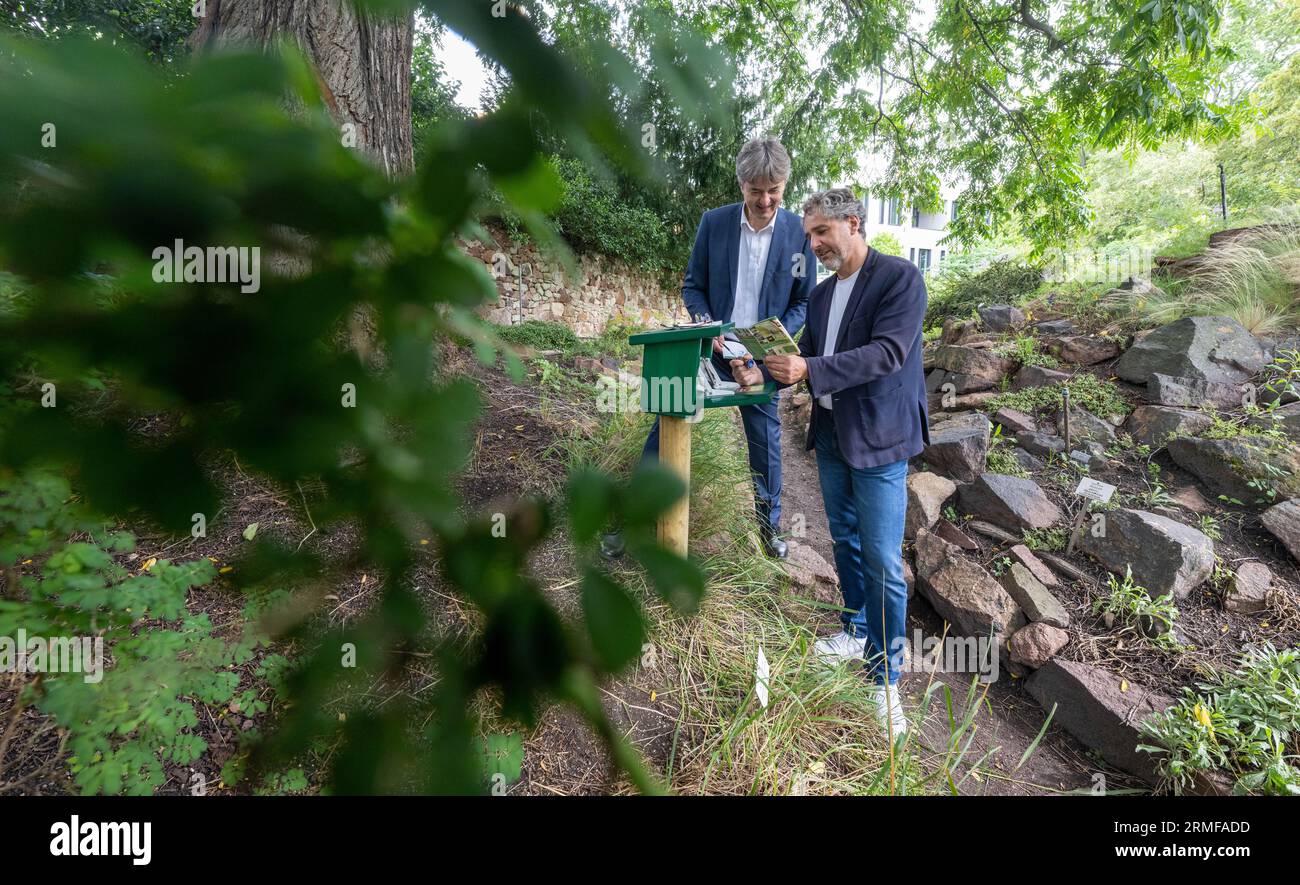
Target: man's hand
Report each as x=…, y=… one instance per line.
x=717, y=344
x=787, y=368
x=743, y=375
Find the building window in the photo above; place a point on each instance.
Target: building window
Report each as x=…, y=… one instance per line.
x=916, y=216
x=911, y=255
x=953, y=215
x=923, y=260
x=893, y=210
x=943, y=255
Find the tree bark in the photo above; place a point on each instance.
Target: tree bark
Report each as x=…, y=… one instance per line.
x=363, y=63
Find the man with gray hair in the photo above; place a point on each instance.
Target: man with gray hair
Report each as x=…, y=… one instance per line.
x=861, y=357
x=751, y=261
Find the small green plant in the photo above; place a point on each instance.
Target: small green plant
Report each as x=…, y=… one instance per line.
x=1156, y=494
x=1026, y=350
x=1210, y=527
x=1240, y=722
x=1046, y=539
x=1000, y=565
x=1131, y=606
x=950, y=514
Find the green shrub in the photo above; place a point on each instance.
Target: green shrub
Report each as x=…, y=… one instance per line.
x=594, y=216
x=541, y=335
x=1087, y=391
x=886, y=243
x=1240, y=722
x=126, y=721
x=957, y=289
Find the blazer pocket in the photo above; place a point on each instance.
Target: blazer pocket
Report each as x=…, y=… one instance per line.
x=885, y=419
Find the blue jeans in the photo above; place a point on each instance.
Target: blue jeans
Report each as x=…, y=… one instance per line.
x=866, y=508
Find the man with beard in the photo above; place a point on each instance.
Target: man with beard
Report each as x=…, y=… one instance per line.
x=861, y=357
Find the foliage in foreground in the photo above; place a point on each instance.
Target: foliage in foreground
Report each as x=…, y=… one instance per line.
x=217, y=159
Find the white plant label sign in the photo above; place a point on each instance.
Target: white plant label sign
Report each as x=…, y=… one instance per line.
x=761, y=675
x=1094, y=490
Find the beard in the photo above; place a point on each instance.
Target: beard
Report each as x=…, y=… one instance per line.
x=832, y=262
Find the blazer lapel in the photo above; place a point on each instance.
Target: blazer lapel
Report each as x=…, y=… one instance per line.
x=733, y=260
x=774, y=251
x=855, y=298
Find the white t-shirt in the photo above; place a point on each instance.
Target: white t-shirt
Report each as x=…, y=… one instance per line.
x=752, y=261
x=839, y=301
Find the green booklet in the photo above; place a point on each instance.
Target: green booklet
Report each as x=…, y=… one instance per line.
x=766, y=337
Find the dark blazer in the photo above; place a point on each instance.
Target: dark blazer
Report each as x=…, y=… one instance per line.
x=710, y=283
x=874, y=376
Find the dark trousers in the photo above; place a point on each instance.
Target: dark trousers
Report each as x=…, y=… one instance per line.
x=763, y=432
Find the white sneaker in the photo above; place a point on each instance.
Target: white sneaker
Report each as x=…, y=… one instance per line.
x=889, y=708
x=840, y=648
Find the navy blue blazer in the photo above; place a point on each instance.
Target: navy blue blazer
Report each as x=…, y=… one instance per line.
x=874, y=377
x=710, y=283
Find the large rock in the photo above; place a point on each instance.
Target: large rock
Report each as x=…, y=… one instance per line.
x=811, y=574
x=1043, y=445
x=1037, y=376
x=1084, y=350
x=1154, y=425
x=1014, y=420
x=1208, y=348
x=971, y=368
x=963, y=593
x=959, y=446
x=1101, y=710
x=1035, y=644
x=926, y=494
x=1055, y=327
x=1191, y=393
x=1283, y=520
x=1035, y=600
x=1010, y=501
x=1250, y=588
x=1166, y=556
x=1227, y=466
x=1084, y=425
x=1036, y=566
x=1000, y=317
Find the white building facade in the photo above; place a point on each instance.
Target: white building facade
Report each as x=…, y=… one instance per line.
x=919, y=233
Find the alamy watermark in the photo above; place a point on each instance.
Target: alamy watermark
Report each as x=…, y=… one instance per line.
x=53, y=654
x=949, y=654
x=179, y=263
x=1099, y=265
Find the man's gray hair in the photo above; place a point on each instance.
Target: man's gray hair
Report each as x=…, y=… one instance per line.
x=837, y=202
x=762, y=159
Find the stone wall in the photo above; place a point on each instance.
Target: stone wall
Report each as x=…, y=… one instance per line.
x=605, y=289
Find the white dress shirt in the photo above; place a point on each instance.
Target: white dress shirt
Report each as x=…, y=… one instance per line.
x=839, y=301
x=754, y=246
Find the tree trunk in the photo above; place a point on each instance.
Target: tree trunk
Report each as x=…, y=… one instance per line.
x=363, y=63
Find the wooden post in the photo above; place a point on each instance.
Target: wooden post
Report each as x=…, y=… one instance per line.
x=675, y=454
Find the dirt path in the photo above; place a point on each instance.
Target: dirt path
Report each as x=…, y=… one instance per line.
x=1007, y=722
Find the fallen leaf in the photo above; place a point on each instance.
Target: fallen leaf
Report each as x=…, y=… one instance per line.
x=250, y=532
x=149, y=563
x=225, y=569
x=1123, y=685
